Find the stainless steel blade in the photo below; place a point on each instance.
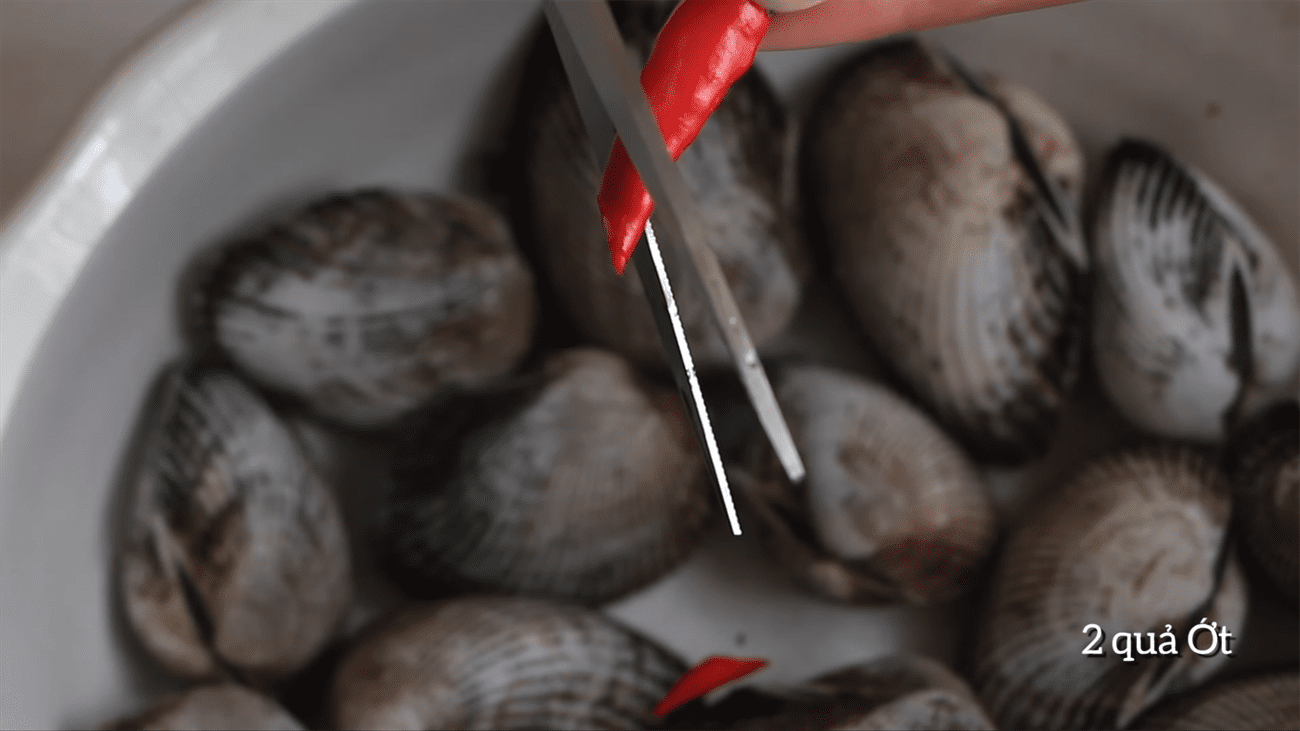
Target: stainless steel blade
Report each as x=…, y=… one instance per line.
x=602, y=76
x=693, y=391
x=648, y=263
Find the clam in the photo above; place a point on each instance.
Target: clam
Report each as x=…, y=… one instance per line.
x=897, y=692
x=1264, y=702
x=216, y=707
x=947, y=204
x=1267, y=493
x=736, y=170
x=892, y=509
x=366, y=304
x=1134, y=543
x=501, y=663
x=583, y=485
x=1196, y=321
x=235, y=560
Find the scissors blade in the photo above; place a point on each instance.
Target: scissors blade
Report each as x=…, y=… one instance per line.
x=647, y=261
x=610, y=99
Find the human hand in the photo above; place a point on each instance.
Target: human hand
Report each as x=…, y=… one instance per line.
x=811, y=23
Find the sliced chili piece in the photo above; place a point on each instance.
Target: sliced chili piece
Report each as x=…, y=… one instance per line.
x=714, y=672
x=704, y=48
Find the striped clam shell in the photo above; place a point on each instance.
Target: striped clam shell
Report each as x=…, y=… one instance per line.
x=934, y=220
x=1267, y=702
x=501, y=663
x=234, y=559
x=891, y=509
x=1196, y=321
x=366, y=304
x=736, y=170
x=586, y=487
x=1134, y=542
x=217, y=707
x=894, y=692
x=1266, y=477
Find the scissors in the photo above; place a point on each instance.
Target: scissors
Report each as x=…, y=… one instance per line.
x=611, y=101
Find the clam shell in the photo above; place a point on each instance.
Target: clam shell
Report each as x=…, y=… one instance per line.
x=366, y=304
x=934, y=227
x=1134, y=542
x=736, y=170
x=892, y=509
x=896, y=692
x=588, y=487
x=501, y=663
x=234, y=557
x=219, y=707
x=1196, y=321
x=1267, y=494
x=1264, y=702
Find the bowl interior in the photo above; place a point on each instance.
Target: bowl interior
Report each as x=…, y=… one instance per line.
x=408, y=93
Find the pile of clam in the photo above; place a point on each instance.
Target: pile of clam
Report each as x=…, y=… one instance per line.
x=525, y=461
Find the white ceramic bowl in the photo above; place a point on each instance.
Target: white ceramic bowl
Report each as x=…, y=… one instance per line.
x=244, y=106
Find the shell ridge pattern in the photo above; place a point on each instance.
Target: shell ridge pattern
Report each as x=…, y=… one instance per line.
x=235, y=561
x=367, y=304
x=943, y=247
x=542, y=502
x=1196, y=322
x=1133, y=542
x=892, y=510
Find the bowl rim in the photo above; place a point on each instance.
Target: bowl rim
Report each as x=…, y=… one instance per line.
x=154, y=99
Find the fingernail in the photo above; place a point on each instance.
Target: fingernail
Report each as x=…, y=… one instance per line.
x=789, y=6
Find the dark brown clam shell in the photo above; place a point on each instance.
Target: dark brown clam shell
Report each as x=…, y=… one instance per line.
x=220, y=707
x=1135, y=542
x=1196, y=318
x=1266, y=478
x=935, y=225
x=235, y=560
x=737, y=172
x=502, y=663
x=1267, y=702
x=897, y=692
x=589, y=485
x=892, y=509
x=366, y=304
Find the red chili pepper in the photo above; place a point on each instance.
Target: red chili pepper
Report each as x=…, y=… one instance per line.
x=714, y=672
x=704, y=48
